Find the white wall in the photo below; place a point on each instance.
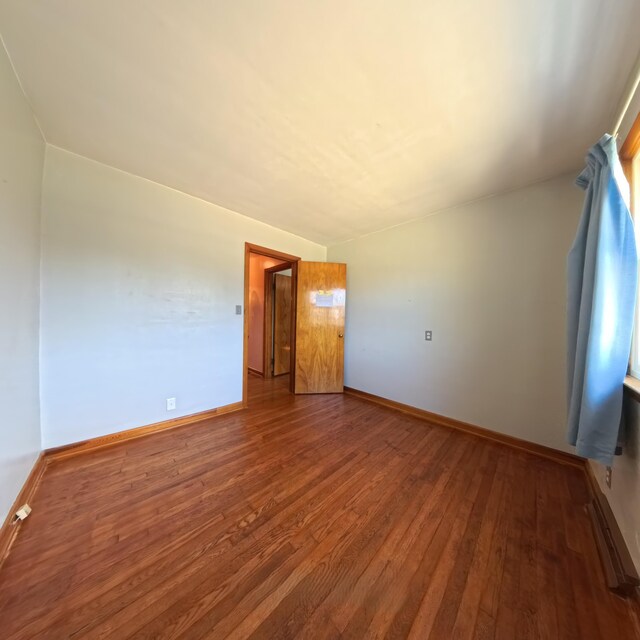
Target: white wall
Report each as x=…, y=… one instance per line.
x=21, y=158
x=139, y=285
x=488, y=278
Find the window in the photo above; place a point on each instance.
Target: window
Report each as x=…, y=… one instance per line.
x=630, y=157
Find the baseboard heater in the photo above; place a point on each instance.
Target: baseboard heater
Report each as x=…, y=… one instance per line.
x=620, y=572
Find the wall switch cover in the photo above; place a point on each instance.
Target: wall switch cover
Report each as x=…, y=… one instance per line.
x=171, y=404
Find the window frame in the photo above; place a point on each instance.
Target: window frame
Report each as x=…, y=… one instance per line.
x=630, y=159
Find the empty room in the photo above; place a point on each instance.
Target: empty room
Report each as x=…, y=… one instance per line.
x=319, y=319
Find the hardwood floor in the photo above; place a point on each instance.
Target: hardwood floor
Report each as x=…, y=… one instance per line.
x=309, y=517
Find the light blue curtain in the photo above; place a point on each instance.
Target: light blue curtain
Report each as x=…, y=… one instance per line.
x=602, y=277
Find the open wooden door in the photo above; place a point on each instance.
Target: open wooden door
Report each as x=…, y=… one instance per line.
x=320, y=306
x=281, y=324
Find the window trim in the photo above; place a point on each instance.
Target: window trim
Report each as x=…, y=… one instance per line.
x=628, y=152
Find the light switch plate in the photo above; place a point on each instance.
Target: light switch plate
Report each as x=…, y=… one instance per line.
x=238, y=309
x=171, y=404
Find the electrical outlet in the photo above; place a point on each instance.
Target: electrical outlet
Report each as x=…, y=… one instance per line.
x=171, y=404
x=22, y=513
x=607, y=477
x=427, y=335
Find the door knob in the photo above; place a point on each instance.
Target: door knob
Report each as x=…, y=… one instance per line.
x=341, y=335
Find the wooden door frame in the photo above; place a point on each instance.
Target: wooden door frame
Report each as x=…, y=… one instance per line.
x=268, y=314
x=250, y=248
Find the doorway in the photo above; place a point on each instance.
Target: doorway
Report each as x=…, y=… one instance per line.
x=278, y=321
x=270, y=278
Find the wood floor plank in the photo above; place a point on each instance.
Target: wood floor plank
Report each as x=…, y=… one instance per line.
x=307, y=588
x=463, y=552
x=387, y=567
x=447, y=548
x=374, y=591
x=309, y=517
x=469, y=609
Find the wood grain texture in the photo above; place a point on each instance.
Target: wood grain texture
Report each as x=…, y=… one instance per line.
x=631, y=146
x=267, y=366
x=435, y=418
x=319, y=362
x=315, y=516
x=281, y=324
x=10, y=529
x=269, y=284
x=628, y=152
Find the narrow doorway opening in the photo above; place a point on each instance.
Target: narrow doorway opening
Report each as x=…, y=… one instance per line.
x=278, y=310
x=269, y=314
